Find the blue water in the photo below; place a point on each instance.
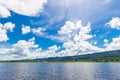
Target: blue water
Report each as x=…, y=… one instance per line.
x=59, y=71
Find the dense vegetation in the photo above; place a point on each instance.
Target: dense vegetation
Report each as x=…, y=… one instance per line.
x=109, y=56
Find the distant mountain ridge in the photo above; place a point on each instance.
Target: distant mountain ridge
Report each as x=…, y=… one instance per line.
x=107, y=56
x=101, y=56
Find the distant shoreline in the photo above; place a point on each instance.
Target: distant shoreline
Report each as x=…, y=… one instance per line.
x=108, y=56
x=64, y=61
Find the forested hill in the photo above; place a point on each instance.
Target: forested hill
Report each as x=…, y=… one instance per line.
x=108, y=56
x=102, y=56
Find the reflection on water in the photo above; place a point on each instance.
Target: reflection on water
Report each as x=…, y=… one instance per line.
x=59, y=71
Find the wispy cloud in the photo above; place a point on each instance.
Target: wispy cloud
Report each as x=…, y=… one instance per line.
x=78, y=9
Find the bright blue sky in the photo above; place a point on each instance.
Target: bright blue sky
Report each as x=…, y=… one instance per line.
x=46, y=28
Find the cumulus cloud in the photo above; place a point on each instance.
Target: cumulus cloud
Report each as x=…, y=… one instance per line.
x=25, y=29
x=27, y=49
x=23, y=47
x=95, y=42
x=38, y=31
x=23, y=7
x=114, y=45
x=3, y=35
x=54, y=48
x=9, y=26
x=114, y=23
x=75, y=31
x=4, y=28
x=105, y=41
x=76, y=38
x=4, y=13
x=76, y=41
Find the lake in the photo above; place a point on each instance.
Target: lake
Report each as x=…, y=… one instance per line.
x=60, y=71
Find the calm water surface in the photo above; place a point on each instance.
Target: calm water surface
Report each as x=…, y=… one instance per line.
x=59, y=71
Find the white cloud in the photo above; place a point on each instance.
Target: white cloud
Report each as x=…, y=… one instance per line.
x=68, y=27
x=74, y=36
x=4, y=50
x=95, y=43
x=4, y=13
x=23, y=47
x=27, y=50
x=9, y=26
x=22, y=50
x=114, y=23
x=75, y=30
x=52, y=51
x=73, y=10
x=114, y=45
x=54, y=48
x=25, y=29
x=4, y=28
x=76, y=39
x=3, y=35
x=105, y=41
x=23, y=7
x=38, y=31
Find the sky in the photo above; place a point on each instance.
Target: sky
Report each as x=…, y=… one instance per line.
x=32, y=29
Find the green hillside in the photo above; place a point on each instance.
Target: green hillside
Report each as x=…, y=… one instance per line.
x=109, y=56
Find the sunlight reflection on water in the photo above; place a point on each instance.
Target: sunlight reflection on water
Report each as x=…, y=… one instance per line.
x=59, y=71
